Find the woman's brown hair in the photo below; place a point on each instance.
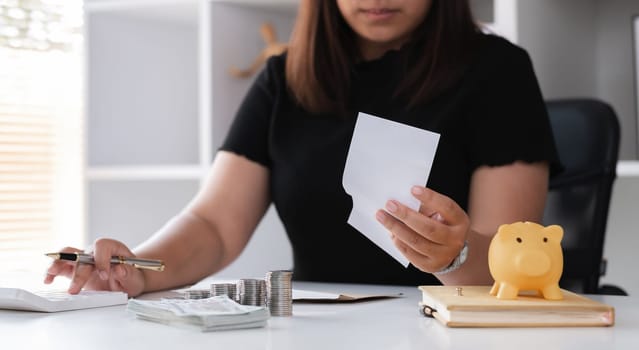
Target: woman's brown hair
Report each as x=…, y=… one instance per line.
x=323, y=49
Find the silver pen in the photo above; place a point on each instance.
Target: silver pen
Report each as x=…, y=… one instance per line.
x=146, y=264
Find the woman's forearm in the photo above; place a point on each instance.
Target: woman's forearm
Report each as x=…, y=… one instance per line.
x=475, y=270
x=191, y=249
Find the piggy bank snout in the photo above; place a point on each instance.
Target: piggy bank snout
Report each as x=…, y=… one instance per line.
x=532, y=263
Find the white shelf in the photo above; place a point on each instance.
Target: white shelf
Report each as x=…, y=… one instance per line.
x=160, y=101
x=176, y=11
x=265, y=4
x=628, y=168
x=126, y=173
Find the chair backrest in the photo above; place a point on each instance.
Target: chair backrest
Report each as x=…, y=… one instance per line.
x=586, y=133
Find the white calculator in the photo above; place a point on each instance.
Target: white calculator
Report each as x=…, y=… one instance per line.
x=54, y=300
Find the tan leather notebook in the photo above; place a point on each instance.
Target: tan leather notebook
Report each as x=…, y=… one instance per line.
x=475, y=307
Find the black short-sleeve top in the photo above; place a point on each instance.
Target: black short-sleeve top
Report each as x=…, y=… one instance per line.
x=494, y=115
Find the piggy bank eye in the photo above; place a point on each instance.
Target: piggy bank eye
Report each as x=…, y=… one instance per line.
x=518, y=240
x=545, y=239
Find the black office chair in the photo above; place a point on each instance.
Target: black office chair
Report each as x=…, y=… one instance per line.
x=586, y=132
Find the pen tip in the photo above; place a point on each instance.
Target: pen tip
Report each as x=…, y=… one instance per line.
x=52, y=255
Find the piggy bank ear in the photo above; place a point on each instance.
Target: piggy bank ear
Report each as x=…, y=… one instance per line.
x=554, y=232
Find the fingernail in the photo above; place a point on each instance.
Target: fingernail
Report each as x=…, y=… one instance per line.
x=417, y=190
x=121, y=271
x=437, y=216
x=391, y=206
x=103, y=275
x=380, y=217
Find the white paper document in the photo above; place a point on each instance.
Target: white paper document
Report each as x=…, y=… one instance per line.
x=384, y=161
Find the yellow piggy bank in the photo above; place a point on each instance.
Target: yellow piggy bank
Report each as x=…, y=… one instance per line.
x=526, y=256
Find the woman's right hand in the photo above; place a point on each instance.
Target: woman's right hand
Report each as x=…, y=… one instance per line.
x=102, y=275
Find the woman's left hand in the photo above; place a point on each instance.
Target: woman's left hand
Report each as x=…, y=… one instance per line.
x=431, y=237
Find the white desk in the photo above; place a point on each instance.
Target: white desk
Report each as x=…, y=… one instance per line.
x=381, y=324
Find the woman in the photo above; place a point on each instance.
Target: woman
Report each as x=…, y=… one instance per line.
x=419, y=62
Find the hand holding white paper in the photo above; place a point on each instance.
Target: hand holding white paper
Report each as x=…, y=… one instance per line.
x=384, y=161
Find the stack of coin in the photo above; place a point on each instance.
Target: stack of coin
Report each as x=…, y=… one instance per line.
x=197, y=294
x=251, y=292
x=224, y=289
x=279, y=292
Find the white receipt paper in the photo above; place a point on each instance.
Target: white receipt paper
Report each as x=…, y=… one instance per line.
x=384, y=161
